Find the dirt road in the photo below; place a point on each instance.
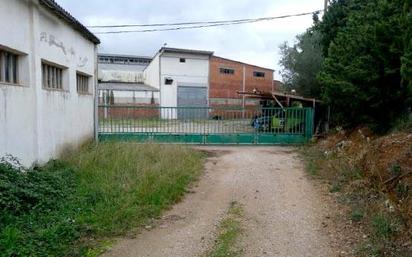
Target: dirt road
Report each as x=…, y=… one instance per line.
x=283, y=213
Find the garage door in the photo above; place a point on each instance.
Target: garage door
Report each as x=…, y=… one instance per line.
x=188, y=96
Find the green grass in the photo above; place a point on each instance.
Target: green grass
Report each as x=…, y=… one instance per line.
x=357, y=214
x=384, y=225
x=229, y=231
x=73, y=207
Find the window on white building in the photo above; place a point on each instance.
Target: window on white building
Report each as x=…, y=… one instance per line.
x=82, y=83
x=52, y=76
x=8, y=67
x=168, y=81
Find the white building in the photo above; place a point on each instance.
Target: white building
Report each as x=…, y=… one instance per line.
x=182, y=77
x=121, y=78
x=172, y=78
x=47, y=80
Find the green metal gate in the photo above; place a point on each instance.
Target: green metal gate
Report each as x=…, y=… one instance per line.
x=206, y=125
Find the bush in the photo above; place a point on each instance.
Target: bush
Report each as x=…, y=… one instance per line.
x=34, y=209
x=39, y=189
x=384, y=225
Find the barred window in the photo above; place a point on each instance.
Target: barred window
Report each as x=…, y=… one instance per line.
x=259, y=74
x=227, y=71
x=8, y=67
x=82, y=83
x=52, y=76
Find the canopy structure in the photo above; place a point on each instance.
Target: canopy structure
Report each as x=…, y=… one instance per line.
x=282, y=99
x=322, y=112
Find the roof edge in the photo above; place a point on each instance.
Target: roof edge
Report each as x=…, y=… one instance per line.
x=186, y=51
x=227, y=59
x=73, y=22
x=123, y=56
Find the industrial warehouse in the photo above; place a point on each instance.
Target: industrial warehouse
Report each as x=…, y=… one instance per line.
x=180, y=77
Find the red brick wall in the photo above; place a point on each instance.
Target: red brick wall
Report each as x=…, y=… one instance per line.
x=130, y=113
x=227, y=85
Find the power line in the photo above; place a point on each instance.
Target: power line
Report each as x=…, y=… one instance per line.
x=195, y=22
x=164, y=24
x=196, y=25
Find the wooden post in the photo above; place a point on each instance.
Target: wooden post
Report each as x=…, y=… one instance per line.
x=314, y=114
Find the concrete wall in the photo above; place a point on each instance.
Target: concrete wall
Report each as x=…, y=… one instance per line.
x=224, y=87
x=36, y=124
x=113, y=75
x=151, y=73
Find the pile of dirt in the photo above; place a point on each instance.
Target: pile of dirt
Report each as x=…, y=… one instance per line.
x=385, y=162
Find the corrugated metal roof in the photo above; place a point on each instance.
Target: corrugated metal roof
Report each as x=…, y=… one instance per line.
x=122, y=86
x=66, y=16
x=121, y=67
x=125, y=56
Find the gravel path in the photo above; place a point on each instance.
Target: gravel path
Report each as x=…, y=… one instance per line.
x=283, y=214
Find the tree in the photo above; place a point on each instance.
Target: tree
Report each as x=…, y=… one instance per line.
x=301, y=63
x=406, y=60
x=364, y=43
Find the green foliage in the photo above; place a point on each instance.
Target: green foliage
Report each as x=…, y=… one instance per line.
x=336, y=187
x=229, y=230
x=357, y=214
x=403, y=124
x=406, y=60
x=34, y=216
x=358, y=58
x=364, y=43
x=66, y=208
x=38, y=189
x=301, y=63
x=384, y=225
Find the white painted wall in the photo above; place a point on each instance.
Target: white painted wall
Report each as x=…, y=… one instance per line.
x=115, y=75
x=151, y=73
x=37, y=124
x=193, y=72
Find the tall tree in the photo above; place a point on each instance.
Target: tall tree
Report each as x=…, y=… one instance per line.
x=301, y=63
x=406, y=60
x=364, y=42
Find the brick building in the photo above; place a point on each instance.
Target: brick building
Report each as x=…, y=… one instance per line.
x=227, y=77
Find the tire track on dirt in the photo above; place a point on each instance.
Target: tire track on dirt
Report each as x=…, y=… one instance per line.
x=283, y=213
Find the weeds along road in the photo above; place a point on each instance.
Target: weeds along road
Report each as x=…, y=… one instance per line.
x=282, y=212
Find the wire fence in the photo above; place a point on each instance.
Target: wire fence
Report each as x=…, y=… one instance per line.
x=204, y=120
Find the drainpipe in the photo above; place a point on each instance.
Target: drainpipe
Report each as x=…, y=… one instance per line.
x=244, y=89
x=96, y=98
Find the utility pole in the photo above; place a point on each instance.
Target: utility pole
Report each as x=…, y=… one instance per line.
x=326, y=5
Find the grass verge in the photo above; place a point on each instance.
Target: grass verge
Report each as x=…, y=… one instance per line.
x=72, y=207
x=229, y=231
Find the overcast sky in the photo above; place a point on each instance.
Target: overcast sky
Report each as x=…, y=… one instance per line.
x=256, y=43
